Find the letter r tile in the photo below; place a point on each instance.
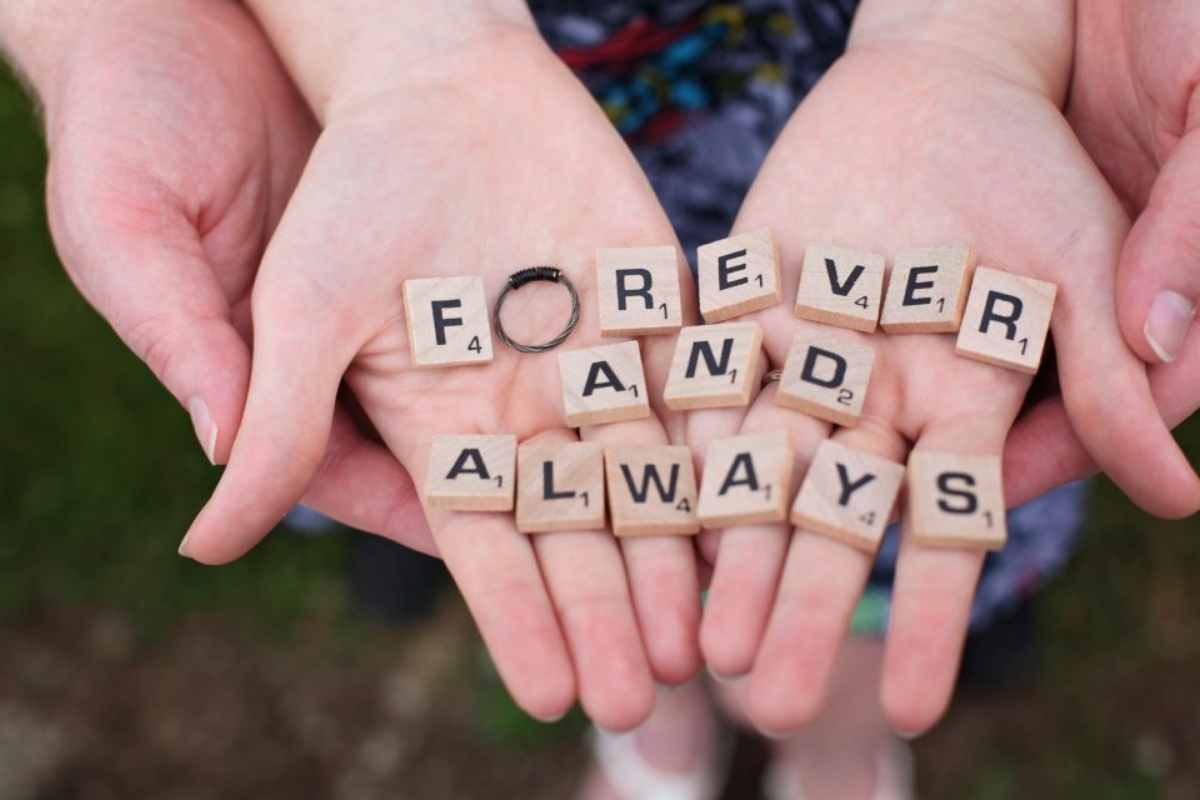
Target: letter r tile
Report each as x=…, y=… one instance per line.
x=1007, y=320
x=603, y=384
x=472, y=473
x=848, y=495
x=638, y=291
x=826, y=375
x=448, y=322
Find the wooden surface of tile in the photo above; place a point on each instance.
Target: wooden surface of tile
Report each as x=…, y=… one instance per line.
x=651, y=490
x=827, y=375
x=560, y=487
x=603, y=384
x=448, y=321
x=1007, y=320
x=840, y=286
x=472, y=473
x=715, y=366
x=738, y=275
x=638, y=291
x=955, y=500
x=848, y=495
x=927, y=290
x=747, y=480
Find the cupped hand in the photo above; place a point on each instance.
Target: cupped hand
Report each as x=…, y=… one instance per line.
x=479, y=162
x=909, y=142
x=175, y=139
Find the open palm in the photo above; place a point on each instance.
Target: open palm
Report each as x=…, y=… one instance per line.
x=450, y=175
x=948, y=148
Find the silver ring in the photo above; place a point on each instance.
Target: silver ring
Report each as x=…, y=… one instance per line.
x=774, y=376
x=519, y=279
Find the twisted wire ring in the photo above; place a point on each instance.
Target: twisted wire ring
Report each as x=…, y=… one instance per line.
x=515, y=282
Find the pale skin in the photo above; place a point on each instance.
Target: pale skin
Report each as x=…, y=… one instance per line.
x=964, y=141
x=175, y=140
x=404, y=156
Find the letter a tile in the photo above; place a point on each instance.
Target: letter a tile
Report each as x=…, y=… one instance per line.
x=738, y=276
x=955, y=500
x=840, y=287
x=472, y=473
x=927, y=290
x=560, y=487
x=638, y=291
x=1007, y=320
x=715, y=366
x=747, y=480
x=603, y=384
x=848, y=495
x=826, y=375
x=447, y=321
x=651, y=490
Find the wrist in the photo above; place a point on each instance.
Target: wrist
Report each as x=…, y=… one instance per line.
x=339, y=58
x=1030, y=42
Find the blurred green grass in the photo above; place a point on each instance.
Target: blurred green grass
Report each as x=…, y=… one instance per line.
x=100, y=476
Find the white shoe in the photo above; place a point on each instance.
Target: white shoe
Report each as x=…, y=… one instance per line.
x=894, y=776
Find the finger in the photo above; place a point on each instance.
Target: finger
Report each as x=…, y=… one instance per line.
x=1107, y=395
x=497, y=572
x=662, y=575
x=1158, y=282
x=148, y=275
x=361, y=484
x=821, y=584
x=585, y=576
x=301, y=350
x=750, y=557
x=932, y=595
x=1043, y=452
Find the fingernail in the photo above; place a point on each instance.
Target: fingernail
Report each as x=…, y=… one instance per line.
x=549, y=720
x=908, y=736
x=206, y=429
x=724, y=680
x=183, y=551
x=1167, y=324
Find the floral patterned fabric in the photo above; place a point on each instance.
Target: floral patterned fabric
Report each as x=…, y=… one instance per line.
x=701, y=90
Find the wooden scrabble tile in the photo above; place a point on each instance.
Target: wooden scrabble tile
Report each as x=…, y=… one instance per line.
x=447, y=321
x=927, y=290
x=1007, y=320
x=840, y=287
x=848, y=495
x=826, y=376
x=715, y=366
x=472, y=473
x=747, y=480
x=603, y=384
x=651, y=490
x=738, y=275
x=560, y=487
x=955, y=500
x=638, y=291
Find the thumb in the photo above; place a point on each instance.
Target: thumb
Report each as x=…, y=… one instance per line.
x=146, y=272
x=1158, y=283
x=301, y=350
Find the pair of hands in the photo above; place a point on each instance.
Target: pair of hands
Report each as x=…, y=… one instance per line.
x=177, y=139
